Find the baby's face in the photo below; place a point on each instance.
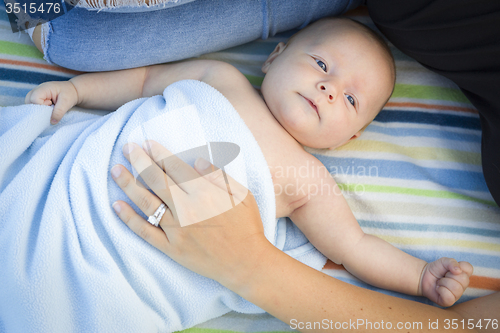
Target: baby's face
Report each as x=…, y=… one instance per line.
x=327, y=84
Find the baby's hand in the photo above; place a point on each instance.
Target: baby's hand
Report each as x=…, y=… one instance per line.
x=445, y=280
x=60, y=93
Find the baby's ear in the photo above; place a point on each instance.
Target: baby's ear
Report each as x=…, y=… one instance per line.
x=277, y=51
x=355, y=136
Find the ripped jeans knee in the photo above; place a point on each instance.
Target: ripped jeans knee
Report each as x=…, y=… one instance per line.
x=44, y=36
x=129, y=6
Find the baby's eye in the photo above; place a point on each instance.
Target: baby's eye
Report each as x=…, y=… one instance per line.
x=351, y=100
x=321, y=64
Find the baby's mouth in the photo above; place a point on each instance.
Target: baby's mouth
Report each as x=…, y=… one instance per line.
x=315, y=108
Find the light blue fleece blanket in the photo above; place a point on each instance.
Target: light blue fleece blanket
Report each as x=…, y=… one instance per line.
x=67, y=262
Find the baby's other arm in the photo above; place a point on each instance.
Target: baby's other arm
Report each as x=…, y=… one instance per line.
x=329, y=224
x=110, y=90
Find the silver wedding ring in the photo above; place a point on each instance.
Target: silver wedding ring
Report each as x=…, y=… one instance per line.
x=158, y=214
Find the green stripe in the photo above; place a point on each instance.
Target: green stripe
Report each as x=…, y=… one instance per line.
x=210, y=330
x=429, y=92
x=418, y=153
x=254, y=80
x=411, y=191
x=17, y=49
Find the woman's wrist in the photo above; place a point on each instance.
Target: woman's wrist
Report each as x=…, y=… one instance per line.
x=253, y=263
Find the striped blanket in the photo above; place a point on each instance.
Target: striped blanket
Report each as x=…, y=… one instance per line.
x=413, y=178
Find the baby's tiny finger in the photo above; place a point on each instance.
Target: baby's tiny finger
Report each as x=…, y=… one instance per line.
x=466, y=267
x=453, y=286
x=446, y=297
x=462, y=279
x=28, y=97
x=452, y=265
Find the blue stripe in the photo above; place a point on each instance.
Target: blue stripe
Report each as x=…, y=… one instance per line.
x=430, y=133
x=478, y=260
x=417, y=117
x=430, y=228
x=13, y=92
x=466, y=180
x=28, y=77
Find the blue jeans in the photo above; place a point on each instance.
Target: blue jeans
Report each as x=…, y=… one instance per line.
x=87, y=40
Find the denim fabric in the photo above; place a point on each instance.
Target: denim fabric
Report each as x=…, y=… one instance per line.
x=100, y=41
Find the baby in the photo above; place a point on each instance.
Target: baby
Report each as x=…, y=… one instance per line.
x=321, y=90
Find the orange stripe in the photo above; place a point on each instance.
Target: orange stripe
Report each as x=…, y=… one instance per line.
x=484, y=282
x=479, y=282
x=433, y=106
x=331, y=265
x=35, y=65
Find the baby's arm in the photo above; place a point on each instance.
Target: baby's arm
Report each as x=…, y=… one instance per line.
x=110, y=90
x=329, y=224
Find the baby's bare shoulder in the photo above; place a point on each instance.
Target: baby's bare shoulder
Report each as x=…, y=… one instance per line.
x=222, y=73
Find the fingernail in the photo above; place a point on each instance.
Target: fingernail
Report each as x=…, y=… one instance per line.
x=117, y=208
x=146, y=145
x=127, y=149
x=116, y=171
x=53, y=121
x=201, y=163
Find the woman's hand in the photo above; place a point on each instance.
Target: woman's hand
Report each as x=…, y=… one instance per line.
x=61, y=94
x=199, y=230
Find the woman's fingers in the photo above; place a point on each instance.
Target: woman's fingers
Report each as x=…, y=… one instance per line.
x=178, y=170
x=153, y=235
x=182, y=187
x=151, y=173
x=221, y=179
x=145, y=200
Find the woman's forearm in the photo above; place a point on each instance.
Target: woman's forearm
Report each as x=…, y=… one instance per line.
x=298, y=295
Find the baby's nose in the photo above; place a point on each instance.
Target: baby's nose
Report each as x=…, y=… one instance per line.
x=329, y=93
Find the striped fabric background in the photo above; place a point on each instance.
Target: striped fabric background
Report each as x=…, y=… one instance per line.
x=413, y=178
